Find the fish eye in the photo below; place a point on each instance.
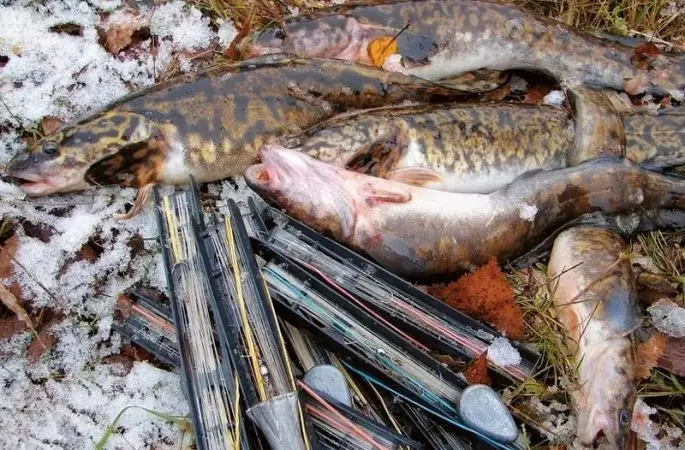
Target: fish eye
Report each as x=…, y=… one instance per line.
x=624, y=416
x=279, y=34
x=49, y=148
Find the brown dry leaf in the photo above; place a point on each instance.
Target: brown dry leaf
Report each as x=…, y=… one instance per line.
x=50, y=124
x=643, y=54
x=477, y=372
x=648, y=49
x=536, y=94
x=648, y=353
x=673, y=358
x=119, y=29
x=6, y=255
x=7, y=252
x=8, y=299
x=379, y=49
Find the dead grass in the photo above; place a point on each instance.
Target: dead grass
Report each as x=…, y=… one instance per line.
x=623, y=17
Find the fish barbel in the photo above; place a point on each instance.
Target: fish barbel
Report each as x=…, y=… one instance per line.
x=419, y=232
x=438, y=39
x=593, y=287
x=475, y=147
x=209, y=125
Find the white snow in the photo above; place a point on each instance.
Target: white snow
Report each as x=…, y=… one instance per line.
x=528, y=212
x=554, y=98
x=227, y=32
x=185, y=25
x=558, y=423
x=656, y=436
x=502, y=353
x=668, y=317
x=69, y=397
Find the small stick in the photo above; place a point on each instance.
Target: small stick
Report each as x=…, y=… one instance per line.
x=395, y=37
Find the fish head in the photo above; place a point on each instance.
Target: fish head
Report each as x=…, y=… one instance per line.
x=607, y=405
x=309, y=190
x=325, y=37
x=71, y=158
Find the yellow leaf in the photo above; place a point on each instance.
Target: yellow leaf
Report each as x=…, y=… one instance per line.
x=379, y=49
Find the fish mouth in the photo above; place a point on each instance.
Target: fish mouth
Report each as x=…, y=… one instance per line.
x=259, y=176
x=32, y=183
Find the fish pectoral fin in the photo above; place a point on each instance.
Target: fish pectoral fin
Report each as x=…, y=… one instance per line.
x=416, y=176
x=387, y=194
x=378, y=157
x=141, y=200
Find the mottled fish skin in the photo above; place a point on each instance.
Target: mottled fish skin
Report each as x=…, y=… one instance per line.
x=656, y=140
x=446, y=38
x=469, y=147
x=595, y=296
x=420, y=232
x=478, y=148
x=209, y=125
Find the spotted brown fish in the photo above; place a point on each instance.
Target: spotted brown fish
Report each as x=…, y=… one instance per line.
x=209, y=125
x=439, y=39
x=481, y=147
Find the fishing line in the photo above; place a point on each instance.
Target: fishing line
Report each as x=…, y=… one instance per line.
x=375, y=349
x=415, y=403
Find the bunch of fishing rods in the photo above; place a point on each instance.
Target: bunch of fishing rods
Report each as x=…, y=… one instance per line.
x=285, y=339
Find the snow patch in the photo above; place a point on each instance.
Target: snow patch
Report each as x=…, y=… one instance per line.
x=528, y=212
x=656, y=436
x=502, y=353
x=668, y=317
x=554, y=98
x=227, y=32
x=185, y=25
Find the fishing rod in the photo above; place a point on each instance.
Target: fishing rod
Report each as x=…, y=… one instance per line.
x=312, y=357
x=147, y=324
x=209, y=377
x=245, y=310
x=348, y=329
x=435, y=324
x=332, y=432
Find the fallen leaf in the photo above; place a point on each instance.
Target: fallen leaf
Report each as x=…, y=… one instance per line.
x=50, y=125
x=8, y=299
x=536, y=94
x=240, y=45
x=124, y=28
x=648, y=48
x=379, y=49
x=643, y=55
x=673, y=358
x=477, y=371
x=7, y=252
x=6, y=255
x=70, y=28
x=648, y=353
x=45, y=340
